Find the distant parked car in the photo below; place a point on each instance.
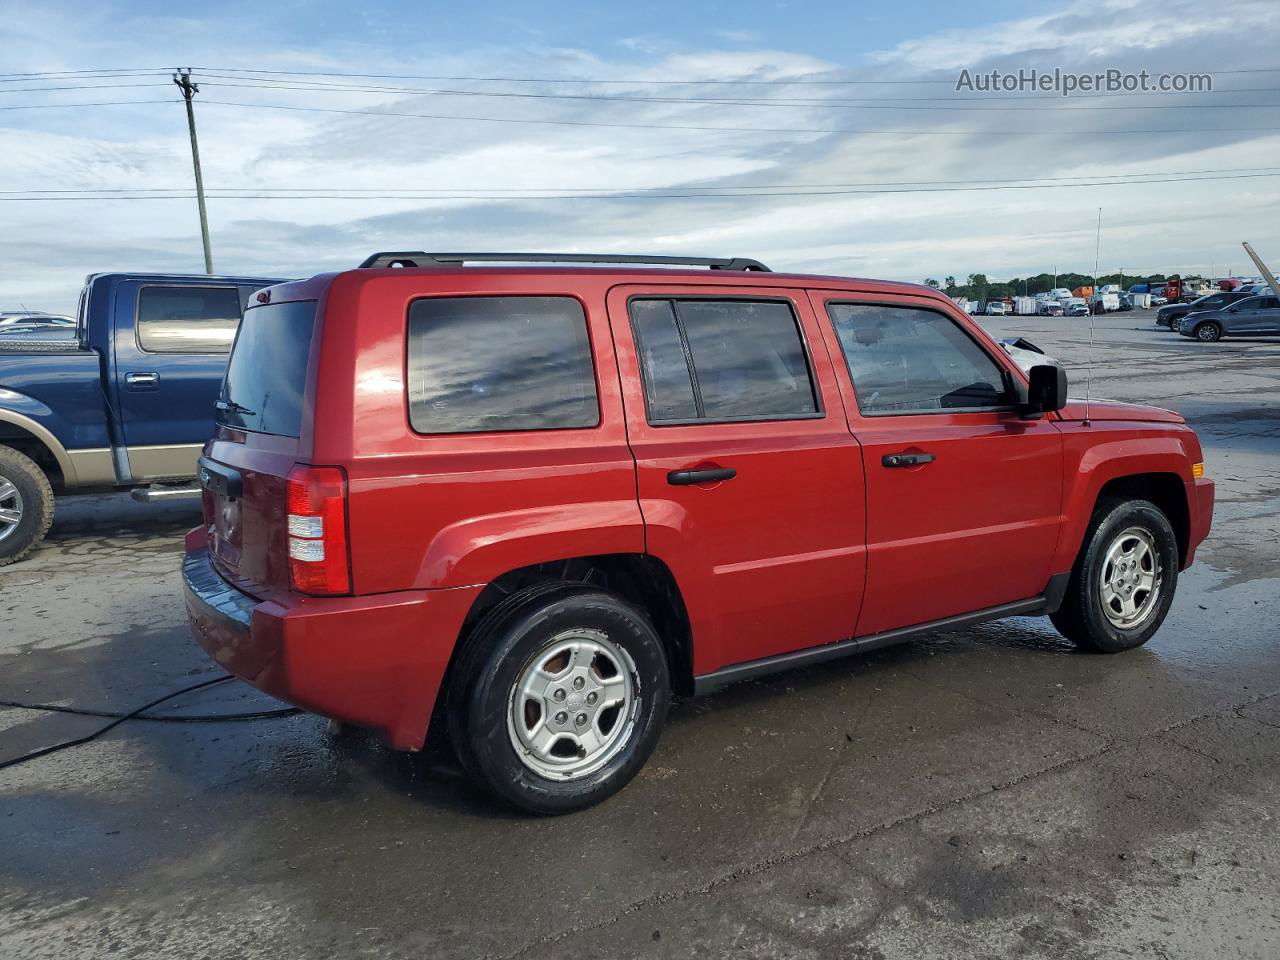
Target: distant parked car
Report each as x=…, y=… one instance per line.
x=1077, y=308
x=1251, y=317
x=8, y=320
x=1049, y=308
x=1126, y=301
x=1166, y=315
x=995, y=308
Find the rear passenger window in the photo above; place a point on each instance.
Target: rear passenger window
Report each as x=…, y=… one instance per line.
x=187, y=319
x=911, y=360
x=722, y=360
x=479, y=364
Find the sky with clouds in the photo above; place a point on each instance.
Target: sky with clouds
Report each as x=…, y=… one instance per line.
x=685, y=98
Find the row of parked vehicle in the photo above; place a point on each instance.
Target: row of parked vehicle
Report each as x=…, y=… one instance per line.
x=1249, y=311
x=532, y=502
x=1061, y=301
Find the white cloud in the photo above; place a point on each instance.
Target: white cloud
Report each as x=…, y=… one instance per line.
x=47, y=247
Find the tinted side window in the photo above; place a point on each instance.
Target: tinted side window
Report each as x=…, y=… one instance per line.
x=909, y=360
x=500, y=363
x=187, y=319
x=746, y=357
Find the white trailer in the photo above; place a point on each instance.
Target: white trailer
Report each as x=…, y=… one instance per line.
x=1141, y=301
x=1110, y=301
x=1024, y=306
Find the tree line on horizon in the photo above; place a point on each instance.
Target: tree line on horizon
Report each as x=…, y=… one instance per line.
x=978, y=287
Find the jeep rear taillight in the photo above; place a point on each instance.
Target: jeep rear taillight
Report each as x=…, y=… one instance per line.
x=317, y=503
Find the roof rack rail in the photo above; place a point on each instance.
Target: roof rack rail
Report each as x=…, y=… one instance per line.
x=418, y=258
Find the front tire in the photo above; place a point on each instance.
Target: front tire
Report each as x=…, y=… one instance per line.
x=1124, y=579
x=559, y=698
x=1208, y=332
x=26, y=505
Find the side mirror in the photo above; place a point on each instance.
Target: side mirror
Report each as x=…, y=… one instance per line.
x=1047, y=390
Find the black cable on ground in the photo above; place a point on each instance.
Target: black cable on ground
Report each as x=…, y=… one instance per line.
x=121, y=718
x=155, y=718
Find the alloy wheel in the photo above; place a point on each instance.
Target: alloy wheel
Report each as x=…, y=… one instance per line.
x=1130, y=579
x=573, y=706
x=10, y=507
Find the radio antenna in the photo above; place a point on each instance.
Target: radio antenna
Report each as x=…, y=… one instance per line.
x=1088, y=376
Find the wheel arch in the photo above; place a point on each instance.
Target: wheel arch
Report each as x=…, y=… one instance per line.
x=640, y=579
x=1166, y=490
x=37, y=442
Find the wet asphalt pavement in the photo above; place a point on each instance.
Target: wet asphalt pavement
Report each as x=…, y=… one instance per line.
x=988, y=792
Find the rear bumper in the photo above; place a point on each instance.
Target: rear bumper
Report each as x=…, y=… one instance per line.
x=375, y=661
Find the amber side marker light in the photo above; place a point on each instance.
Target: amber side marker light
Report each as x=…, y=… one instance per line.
x=1197, y=470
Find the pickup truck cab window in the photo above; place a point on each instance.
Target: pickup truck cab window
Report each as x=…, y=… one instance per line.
x=911, y=360
x=187, y=319
x=722, y=360
x=486, y=364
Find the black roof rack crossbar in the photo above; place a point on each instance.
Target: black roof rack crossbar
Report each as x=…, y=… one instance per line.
x=418, y=258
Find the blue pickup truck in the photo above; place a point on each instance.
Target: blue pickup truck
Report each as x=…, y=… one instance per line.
x=126, y=404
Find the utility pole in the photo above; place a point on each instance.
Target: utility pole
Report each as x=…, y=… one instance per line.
x=183, y=79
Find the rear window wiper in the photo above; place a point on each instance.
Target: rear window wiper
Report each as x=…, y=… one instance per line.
x=230, y=406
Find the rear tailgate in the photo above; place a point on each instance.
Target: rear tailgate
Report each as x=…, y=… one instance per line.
x=263, y=431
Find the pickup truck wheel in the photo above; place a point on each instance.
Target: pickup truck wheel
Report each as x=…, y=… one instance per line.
x=558, y=701
x=1124, y=579
x=26, y=505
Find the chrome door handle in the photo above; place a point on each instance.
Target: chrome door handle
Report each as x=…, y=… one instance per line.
x=142, y=379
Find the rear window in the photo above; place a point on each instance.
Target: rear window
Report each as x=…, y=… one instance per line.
x=187, y=319
x=481, y=364
x=267, y=374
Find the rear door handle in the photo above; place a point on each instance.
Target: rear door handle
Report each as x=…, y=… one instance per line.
x=683, y=478
x=907, y=459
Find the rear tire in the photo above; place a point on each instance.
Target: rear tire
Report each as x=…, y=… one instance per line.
x=559, y=697
x=1208, y=332
x=1124, y=579
x=26, y=505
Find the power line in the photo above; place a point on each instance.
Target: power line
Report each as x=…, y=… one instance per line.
x=885, y=104
x=81, y=86
x=721, y=129
x=1203, y=174
x=325, y=85
x=100, y=103
x=683, y=195
x=806, y=78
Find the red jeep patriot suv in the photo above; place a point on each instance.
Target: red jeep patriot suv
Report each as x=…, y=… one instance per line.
x=537, y=501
